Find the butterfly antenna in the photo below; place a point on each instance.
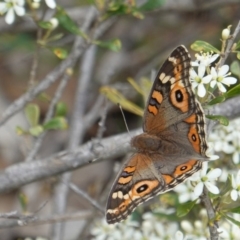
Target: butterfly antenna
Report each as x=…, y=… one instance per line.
x=124, y=119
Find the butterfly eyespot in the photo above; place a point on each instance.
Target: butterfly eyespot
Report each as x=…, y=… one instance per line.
x=183, y=168
x=142, y=188
x=194, y=138
x=179, y=96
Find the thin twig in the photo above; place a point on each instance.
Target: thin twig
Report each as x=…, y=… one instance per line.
x=83, y=194
x=229, y=45
x=77, y=128
x=34, y=67
x=79, y=46
x=213, y=226
x=205, y=197
x=19, y=220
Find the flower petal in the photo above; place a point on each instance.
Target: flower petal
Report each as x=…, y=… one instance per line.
x=229, y=80
x=193, y=74
x=194, y=84
x=201, y=70
x=20, y=11
x=198, y=189
x=51, y=3
x=212, y=188
x=215, y=173
x=234, y=195
x=223, y=70
x=194, y=64
x=3, y=7
x=207, y=79
x=10, y=17
x=221, y=87
x=236, y=156
x=201, y=90
x=179, y=235
x=214, y=57
x=204, y=169
x=213, y=83
x=213, y=72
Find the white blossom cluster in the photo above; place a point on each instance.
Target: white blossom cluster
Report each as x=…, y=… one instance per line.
x=10, y=8
x=209, y=77
x=152, y=228
x=227, y=140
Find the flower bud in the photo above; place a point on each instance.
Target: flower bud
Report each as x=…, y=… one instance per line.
x=54, y=22
x=225, y=33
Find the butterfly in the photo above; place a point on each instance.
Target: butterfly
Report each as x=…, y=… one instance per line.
x=172, y=146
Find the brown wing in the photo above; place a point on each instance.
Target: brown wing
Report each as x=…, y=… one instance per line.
x=142, y=178
x=138, y=181
x=172, y=101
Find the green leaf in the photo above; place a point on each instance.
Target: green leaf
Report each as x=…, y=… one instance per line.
x=60, y=52
x=44, y=97
x=238, y=55
x=232, y=220
x=121, y=8
x=114, y=44
x=61, y=109
x=235, y=210
x=117, y=98
x=55, y=37
x=235, y=68
x=68, y=24
x=32, y=113
x=23, y=199
x=152, y=5
x=216, y=100
x=203, y=46
x=45, y=24
x=221, y=119
x=20, y=131
x=238, y=45
x=233, y=92
x=56, y=123
x=36, y=130
x=185, y=208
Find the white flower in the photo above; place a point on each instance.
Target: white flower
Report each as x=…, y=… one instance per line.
x=179, y=235
x=51, y=3
x=220, y=77
x=185, y=191
x=102, y=230
x=10, y=7
x=198, y=80
x=235, y=140
x=207, y=179
x=235, y=193
x=221, y=138
x=154, y=229
x=210, y=152
x=205, y=59
x=194, y=231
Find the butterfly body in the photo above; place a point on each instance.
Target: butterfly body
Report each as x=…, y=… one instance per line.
x=172, y=145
